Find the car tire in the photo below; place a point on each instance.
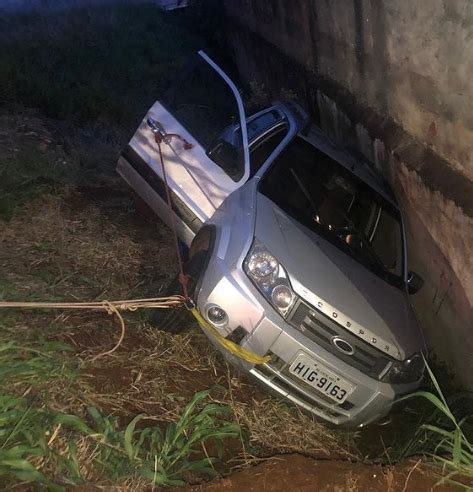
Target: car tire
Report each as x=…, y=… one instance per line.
x=177, y=320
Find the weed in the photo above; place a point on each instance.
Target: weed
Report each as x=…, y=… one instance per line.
x=30, y=428
x=104, y=64
x=33, y=364
x=444, y=437
x=29, y=369
x=26, y=439
x=163, y=456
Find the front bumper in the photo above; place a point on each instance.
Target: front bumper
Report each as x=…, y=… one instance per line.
x=268, y=333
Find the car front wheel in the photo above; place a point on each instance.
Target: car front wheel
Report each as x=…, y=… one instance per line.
x=177, y=320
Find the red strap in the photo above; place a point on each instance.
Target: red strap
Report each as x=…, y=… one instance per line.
x=187, y=145
x=183, y=278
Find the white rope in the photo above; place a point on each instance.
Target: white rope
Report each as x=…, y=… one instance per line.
x=110, y=307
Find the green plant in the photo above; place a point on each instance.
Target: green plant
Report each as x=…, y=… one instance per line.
x=24, y=423
x=444, y=437
x=24, y=438
x=29, y=428
x=35, y=364
x=163, y=456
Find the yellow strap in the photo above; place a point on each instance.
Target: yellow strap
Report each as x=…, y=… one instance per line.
x=232, y=347
x=113, y=307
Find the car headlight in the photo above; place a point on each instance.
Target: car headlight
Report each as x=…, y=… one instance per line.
x=270, y=277
x=406, y=371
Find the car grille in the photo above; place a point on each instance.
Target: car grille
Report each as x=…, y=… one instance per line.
x=321, y=329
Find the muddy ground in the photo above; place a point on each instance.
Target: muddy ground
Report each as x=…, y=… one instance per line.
x=296, y=472
x=72, y=238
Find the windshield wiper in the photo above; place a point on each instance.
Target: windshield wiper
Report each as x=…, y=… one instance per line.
x=303, y=189
x=369, y=248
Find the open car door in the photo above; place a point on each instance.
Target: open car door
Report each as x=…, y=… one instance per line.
x=201, y=110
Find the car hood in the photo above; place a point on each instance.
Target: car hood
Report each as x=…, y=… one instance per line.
x=338, y=285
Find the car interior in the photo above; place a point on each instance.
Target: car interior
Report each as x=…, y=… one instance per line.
x=326, y=197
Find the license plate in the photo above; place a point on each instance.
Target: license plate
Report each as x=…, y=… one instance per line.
x=321, y=378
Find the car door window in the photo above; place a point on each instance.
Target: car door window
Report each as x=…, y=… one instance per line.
x=265, y=132
x=229, y=157
x=260, y=124
x=262, y=148
x=205, y=104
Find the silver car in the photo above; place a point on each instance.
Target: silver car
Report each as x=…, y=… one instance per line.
x=297, y=250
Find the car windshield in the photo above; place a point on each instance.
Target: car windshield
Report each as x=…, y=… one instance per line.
x=324, y=196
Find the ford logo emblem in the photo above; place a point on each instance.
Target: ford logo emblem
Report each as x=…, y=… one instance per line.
x=343, y=346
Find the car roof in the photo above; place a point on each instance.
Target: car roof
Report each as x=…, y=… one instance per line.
x=356, y=165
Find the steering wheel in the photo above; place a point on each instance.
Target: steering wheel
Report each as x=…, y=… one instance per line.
x=358, y=240
x=344, y=231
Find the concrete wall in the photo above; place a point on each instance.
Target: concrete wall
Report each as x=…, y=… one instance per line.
x=394, y=79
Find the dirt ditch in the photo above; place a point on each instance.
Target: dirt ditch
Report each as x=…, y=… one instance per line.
x=295, y=472
x=77, y=242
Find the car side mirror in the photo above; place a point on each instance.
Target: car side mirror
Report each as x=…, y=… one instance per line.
x=226, y=155
x=414, y=282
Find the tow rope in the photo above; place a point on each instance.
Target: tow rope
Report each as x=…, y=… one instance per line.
x=170, y=302
x=110, y=307
x=161, y=136
x=115, y=307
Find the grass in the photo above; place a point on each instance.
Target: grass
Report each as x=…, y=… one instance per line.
x=27, y=175
x=30, y=430
x=444, y=437
x=47, y=438
x=104, y=65
x=72, y=411
x=26, y=372
x=96, y=69
x=165, y=457
x=161, y=408
x=77, y=245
